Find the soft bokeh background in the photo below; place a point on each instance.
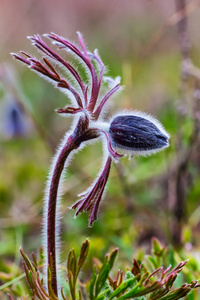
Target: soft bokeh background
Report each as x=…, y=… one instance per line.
x=137, y=41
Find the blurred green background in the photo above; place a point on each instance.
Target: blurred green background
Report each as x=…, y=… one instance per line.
x=137, y=42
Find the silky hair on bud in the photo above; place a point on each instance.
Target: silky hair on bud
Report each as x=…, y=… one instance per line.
x=137, y=133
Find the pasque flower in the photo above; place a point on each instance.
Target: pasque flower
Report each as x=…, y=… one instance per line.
x=131, y=132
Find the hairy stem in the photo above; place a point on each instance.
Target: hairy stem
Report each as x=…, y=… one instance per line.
x=51, y=214
x=68, y=147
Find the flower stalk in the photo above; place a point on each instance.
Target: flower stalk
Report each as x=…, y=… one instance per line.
x=52, y=207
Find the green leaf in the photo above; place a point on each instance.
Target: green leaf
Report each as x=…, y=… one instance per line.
x=124, y=286
x=105, y=270
x=112, y=258
x=152, y=260
x=157, y=248
x=83, y=255
x=140, y=290
x=71, y=285
x=102, y=277
x=62, y=293
x=11, y=282
x=27, y=261
x=178, y=293
x=92, y=283
x=72, y=264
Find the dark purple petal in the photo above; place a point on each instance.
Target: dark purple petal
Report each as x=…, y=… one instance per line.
x=136, y=133
x=85, y=57
x=85, y=100
x=40, y=44
x=96, y=57
x=22, y=59
x=49, y=72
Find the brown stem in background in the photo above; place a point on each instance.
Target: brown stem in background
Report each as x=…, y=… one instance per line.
x=178, y=194
x=178, y=178
x=182, y=30
x=172, y=21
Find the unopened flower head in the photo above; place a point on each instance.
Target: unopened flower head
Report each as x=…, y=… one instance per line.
x=138, y=133
x=134, y=133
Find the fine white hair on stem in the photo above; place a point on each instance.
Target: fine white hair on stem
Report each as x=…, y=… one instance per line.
x=58, y=203
x=58, y=215
x=58, y=208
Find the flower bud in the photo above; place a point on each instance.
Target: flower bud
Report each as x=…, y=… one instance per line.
x=138, y=133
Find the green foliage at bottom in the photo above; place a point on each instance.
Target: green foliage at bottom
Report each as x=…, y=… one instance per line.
x=146, y=280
